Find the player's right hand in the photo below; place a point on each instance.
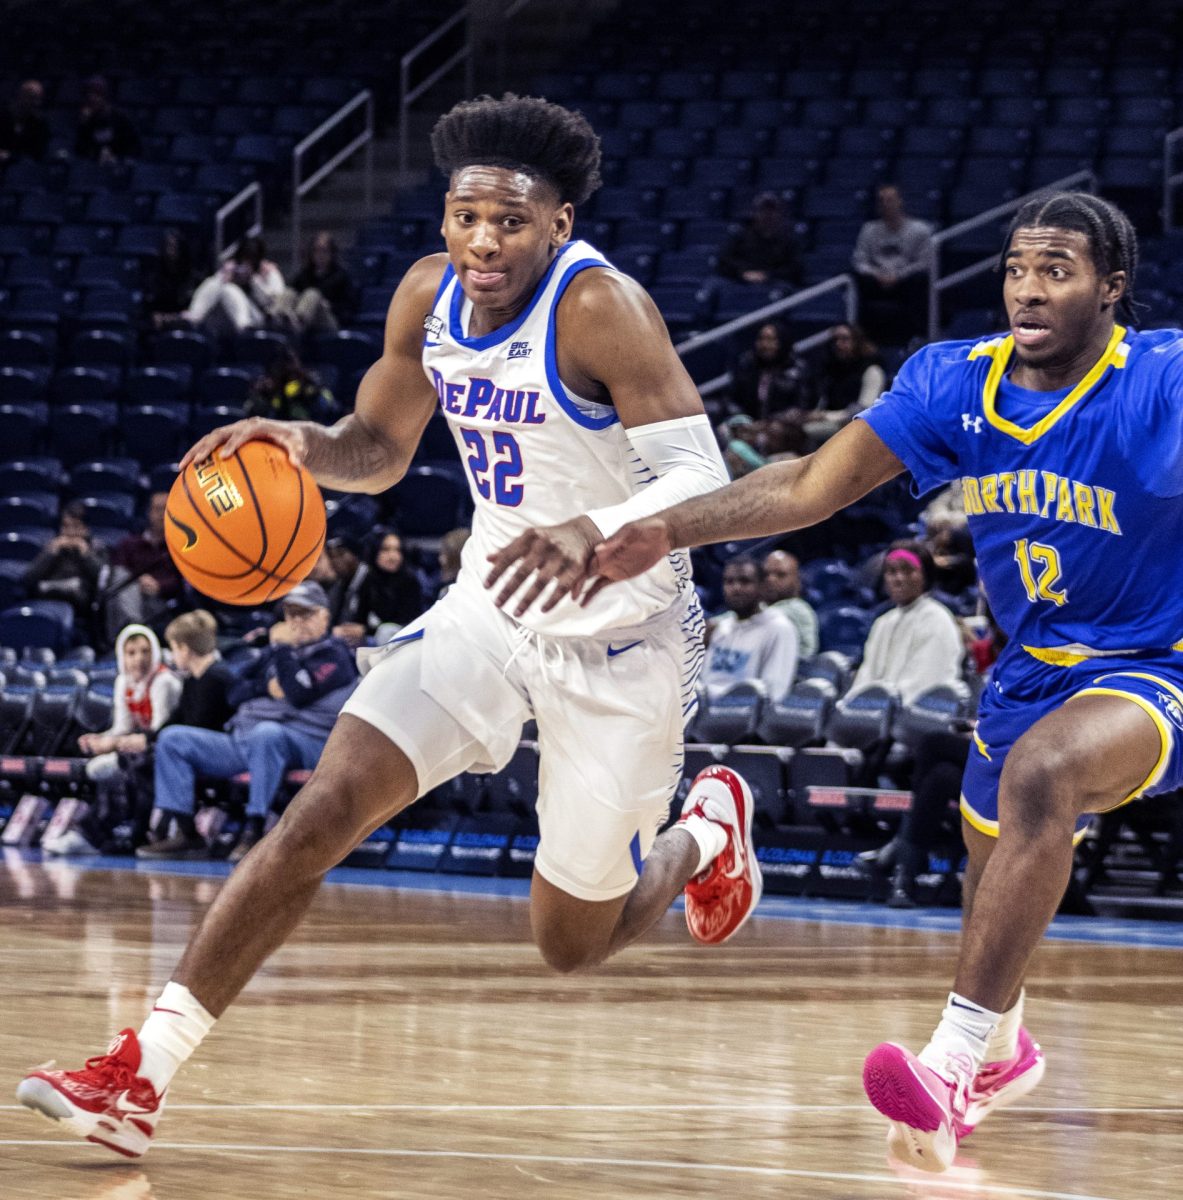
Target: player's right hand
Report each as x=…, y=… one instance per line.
x=288, y=434
x=629, y=552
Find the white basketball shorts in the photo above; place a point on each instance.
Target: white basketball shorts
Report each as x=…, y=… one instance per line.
x=454, y=688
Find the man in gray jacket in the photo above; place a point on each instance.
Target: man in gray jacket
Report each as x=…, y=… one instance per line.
x=287, y=703
x=890, y=263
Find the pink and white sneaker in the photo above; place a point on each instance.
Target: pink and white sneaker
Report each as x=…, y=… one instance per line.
x=721, y=898
x=998, y=1084
x=106, y=1102
x=924, y=1106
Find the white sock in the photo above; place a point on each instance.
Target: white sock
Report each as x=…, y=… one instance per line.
x=171, y=1033
x=961, y=1039
x=1004, y=1043
x=710, y=838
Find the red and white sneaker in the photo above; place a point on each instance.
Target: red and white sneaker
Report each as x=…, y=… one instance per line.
x=106, y=1102
x=924, y=1106
x=998, y=1084
x=721, y=898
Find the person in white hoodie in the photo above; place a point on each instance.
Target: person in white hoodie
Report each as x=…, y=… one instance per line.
x=916, y=644
x=146, y=692
x=145, y=695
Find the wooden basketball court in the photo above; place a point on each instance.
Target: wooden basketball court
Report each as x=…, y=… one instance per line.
x=411, y=1044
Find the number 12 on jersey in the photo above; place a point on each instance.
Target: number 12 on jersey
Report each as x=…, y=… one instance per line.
x=1032, y=555
x=506, y=466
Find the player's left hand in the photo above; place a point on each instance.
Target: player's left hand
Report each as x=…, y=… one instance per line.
x=555, y=555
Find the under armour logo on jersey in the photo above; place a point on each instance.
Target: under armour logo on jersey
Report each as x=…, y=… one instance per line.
x=433, y=325
x=968, y=423
x=518, y=350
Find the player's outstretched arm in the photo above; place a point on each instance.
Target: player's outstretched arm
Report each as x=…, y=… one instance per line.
x=774, y=499
x=370, y=449
x=614, y=344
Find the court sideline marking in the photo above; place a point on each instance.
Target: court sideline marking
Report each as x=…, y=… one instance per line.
x=969, y=1185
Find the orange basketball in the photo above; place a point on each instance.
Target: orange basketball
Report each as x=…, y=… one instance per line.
x=245, y=529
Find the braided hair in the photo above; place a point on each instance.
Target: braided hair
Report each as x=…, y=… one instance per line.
x=521, y=133
x=1112, y=240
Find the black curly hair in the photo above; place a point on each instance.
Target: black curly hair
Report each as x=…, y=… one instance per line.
x=523, y=133
x=1112, y=240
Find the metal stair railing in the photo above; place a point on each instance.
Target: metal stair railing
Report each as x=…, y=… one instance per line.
x=301, y=187
x=844, y=283
x=407, y=95
x=1171, y=179
x=938, y=283
x=251, y=194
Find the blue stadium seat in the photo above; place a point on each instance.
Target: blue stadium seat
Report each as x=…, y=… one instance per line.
x=186, y=210
x=184, y=347
x=259, y=347
x=141, y=240
x=100, y=347
x=22, y=383
x=429, y=502
x=22, y=427
x=105, y=271
x=78, y=431
x=38, y=623
x=31, y=475
x=208, y=417
x=24, y=348
x=23, y=545
x=116, y=510
x=347, y=351
x=28, y=510
x=224, y=385
x=106, y=475
x=32, y=270
x=155, y=431
x=843, y=629
x=863, y=718
x=73, y=385
x=82, y=239
x=157, y=385
x=227, y=179
x=257, y=148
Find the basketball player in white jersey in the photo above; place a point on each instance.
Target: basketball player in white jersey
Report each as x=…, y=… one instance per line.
x=573, y=416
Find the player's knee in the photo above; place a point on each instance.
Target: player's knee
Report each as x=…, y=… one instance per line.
x=566, y=954
x=1036, y=789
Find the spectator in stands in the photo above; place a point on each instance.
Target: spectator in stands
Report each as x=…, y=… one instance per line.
x=289, y=391
x=144, y=580
x=322, y=572
x=287, y=702
x=169, y=283
x=105, y=133
x=890, y=263
x=24, y=132
x=345, y=553
x=241, y=294
x=69, y=568
x=146, y=693
x=936, y=784
x=323, y=296
x=770, y=377
x=782, y=593
x=451, y=547
x=391, y=593
x=765, y=250
x=118, y=828
x=750, y=642
x=916, y=644
x=849, y=379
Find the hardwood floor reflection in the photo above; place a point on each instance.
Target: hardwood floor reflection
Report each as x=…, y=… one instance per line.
x=410, y=1044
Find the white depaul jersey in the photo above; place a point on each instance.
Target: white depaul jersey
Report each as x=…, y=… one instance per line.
x=534, y=453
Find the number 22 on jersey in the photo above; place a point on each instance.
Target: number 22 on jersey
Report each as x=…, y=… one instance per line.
x=499, y=484
x=1032, y=556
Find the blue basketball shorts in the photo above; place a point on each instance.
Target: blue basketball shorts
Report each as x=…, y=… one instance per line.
x=1023, y=690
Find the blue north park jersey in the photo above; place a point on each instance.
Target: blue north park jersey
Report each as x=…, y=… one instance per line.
x=1074, y=498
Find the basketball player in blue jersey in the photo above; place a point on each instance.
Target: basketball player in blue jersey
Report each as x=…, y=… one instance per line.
x=571, y=411
x=1067, y=435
